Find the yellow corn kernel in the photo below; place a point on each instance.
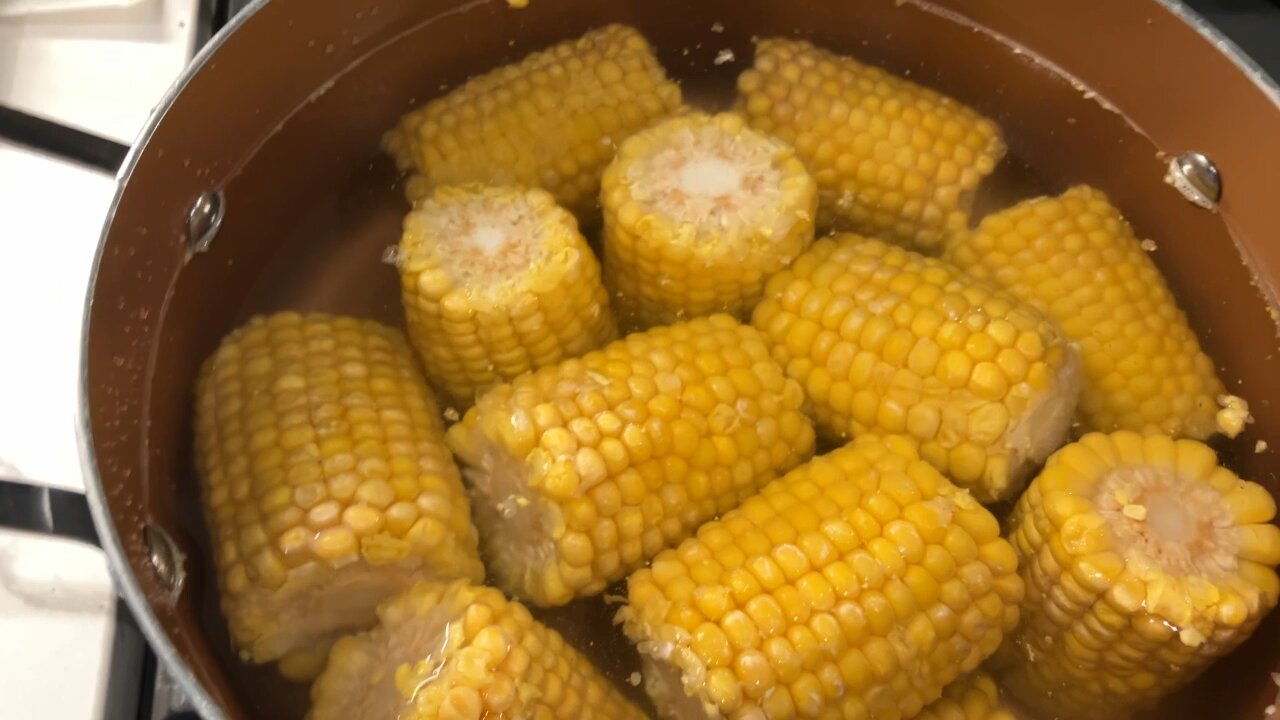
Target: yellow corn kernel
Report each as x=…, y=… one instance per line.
x=1151, y=596
x=552, y=120
x=892, y=159
x=1076, y=258
x=497, y=282
x=699, y=211
x=455, y=651
x=663, y=478
x=317, y=399
x=853, y=312
x=972, y=697
x=828, y=638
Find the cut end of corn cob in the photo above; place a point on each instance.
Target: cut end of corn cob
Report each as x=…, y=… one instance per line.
x=972, y=697
x=583, y=470
x=1144, y=561
x=496, y=282
x=888, y=341
x=856, y=586
x=460, y=652
x=892, y=159
x=1076, y=258
x=326, y=482
x=487, y=239
x=665, y=687
x=698, y=211
x=552, y=120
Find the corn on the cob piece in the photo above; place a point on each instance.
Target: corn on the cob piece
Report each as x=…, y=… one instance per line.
x=1075, y=257
x=552, y=120
x=497, y=281
x=698, y=212
x=326, y=482
x=1144, y=561
x=856, y=586
x=892, y=159
x=454, y=651
x=583, y=470
x=887, y=341
x=972, y=697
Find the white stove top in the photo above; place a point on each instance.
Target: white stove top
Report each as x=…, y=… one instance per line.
x=101, y=71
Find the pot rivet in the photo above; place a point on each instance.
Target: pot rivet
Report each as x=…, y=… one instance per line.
x=165, y=558
x=203, y=221
x=1195, y=176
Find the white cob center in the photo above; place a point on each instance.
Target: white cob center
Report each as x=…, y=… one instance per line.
x=1181, y=524
x=1047, y=422
x=521, y=522
x=486, y=240
x=711, y=177
x=416, y=650
x=709, y=180
x=663, y=682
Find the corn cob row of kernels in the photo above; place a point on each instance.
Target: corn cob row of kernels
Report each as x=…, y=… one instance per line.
x=454, y=651
x=856, y=586
x=552, y=120
x=1144, y=561
x=1075, y=257
x=699, y=211
x=326, y=482
x=496, y=282
x=892, y=159
x=885, y=340
x=972, y=697
x=582, y=471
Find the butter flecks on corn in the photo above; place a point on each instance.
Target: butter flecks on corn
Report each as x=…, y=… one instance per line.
x=1076, y=258
x=699, y=211
x=1144, y=562
x=552, y=120
x=885, y=340
x=325, y=480
x=856, y=586
x=455, y=651
x=581, y=471
x=973, y=697
x=497, y=281
x=892, y=159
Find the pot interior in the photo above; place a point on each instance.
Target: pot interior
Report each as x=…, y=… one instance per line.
x=285, y=120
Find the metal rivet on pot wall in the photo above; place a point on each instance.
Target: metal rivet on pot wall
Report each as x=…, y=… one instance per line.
x=1197, y=178
x=203, y=221
x=165, y=558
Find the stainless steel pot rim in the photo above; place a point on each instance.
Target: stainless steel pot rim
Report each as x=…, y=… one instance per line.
x=126, y=583
x=1226, y=46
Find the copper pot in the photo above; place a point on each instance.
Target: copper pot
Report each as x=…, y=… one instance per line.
x=258, y=185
